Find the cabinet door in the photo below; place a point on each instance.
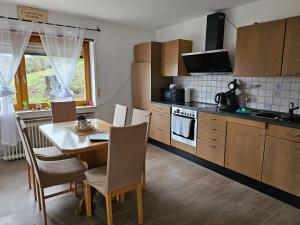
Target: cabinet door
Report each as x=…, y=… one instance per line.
x=291, y=56
x=244, y=149
x=281, y=167
x=142, y=52
x=259, y=49
x=141, y=85
x=169, y=58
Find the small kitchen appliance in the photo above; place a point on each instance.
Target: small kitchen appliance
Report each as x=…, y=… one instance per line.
x=228, y=101
x=174, y=95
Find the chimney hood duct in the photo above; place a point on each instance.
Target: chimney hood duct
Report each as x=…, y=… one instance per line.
x=214, y=59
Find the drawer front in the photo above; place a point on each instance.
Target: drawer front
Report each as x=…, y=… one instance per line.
x=160, y=108
x=159, y=134
x=184, y=147
x=287, y=133
x=211, y=152
x=209, y=117
x=212, y=127
x=161, y=120
x=213, y=138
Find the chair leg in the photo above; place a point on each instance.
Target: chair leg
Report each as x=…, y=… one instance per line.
x=88, y=203
x=38, y=194
x=122, y=198
x=144, y=176
x=139, y=204
x=29, y=175
x=76, y=191
x=34, y=185
x=109, y=209
x=43, y=206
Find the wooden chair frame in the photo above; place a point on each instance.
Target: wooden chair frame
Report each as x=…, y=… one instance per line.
x=108, y=197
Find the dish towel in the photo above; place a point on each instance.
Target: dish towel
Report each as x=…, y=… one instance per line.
x=185, y=127
x=176, y=124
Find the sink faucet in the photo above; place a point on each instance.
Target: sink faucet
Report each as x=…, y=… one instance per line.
x=291, y=111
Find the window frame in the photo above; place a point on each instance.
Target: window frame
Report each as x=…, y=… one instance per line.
x=21, y=79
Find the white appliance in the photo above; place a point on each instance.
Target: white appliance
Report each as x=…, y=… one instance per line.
x=191, y=114
x=187, y=95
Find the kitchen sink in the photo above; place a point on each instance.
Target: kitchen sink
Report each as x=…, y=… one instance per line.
x=277, y=116
x=268, y=115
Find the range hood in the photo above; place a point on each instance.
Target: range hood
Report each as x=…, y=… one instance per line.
x=214, y=59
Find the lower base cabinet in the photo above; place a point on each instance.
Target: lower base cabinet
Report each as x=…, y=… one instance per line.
x=245, y=147
x=160, y=123
x=281, y=167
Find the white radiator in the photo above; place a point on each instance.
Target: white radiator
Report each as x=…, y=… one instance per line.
x=37, y=140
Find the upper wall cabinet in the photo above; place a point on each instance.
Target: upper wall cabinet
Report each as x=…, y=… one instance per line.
x=291, y=55
x=171, y=60
x=259, y=49
x=142, y=52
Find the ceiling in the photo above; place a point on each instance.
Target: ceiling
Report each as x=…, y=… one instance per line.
x=144, y=13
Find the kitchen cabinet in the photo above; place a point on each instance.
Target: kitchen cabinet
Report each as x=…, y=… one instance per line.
x=160, y=123
x=141, y=90
x=171, y=60
x=146, y=79
x=259, y=49
x=291, y=56
x=211, y=137
x=142, y=52
x=245, y=146
x=281, y=166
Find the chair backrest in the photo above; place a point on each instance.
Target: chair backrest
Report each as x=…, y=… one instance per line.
x=63, y=111
x=141, y=116
x=24, y=144
x=120, y=115
x=126, y=156
x=27, y=145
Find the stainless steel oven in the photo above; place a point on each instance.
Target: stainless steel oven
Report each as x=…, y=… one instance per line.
x=189, y=117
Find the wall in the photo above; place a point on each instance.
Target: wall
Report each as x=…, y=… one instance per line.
x=264, y=93
x=113, y=55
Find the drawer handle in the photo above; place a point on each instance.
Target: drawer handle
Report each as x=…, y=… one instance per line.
x=211, y=139
x=212, y=129
x=212, y=119
x=292, y=134
x=211, y=146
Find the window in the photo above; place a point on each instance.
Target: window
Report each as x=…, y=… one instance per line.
x=36, y=83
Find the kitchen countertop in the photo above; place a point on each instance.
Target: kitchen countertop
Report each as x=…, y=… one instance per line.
x=212, y=108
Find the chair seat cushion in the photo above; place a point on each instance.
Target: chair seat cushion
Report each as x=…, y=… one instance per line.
x=97, y=178
x=60, y=171
x=49, y=153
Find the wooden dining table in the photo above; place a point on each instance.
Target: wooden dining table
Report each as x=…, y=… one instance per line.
x=71, y=142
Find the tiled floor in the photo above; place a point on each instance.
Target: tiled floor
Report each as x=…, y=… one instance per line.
x=178, y=192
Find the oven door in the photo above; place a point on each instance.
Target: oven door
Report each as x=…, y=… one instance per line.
x=191, y=139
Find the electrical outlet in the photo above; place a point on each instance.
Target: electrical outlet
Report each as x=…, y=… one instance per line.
x=98, y=92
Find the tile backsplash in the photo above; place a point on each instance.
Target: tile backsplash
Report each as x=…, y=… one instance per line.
x=269, y=93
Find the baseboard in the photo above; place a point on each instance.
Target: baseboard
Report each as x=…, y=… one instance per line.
x=252, y=183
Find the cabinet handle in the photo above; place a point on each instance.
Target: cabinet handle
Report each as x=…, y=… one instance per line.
x=292, y=134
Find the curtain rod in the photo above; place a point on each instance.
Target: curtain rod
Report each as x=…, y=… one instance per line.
x=53, y=24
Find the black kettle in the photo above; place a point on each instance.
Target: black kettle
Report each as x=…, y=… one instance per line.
x=221, y=100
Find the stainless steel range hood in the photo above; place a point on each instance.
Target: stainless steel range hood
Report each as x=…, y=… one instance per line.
x=214, y=61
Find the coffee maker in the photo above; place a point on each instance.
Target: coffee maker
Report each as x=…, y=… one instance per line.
x=228, y=101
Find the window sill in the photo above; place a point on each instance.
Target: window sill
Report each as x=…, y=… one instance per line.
x=47, y=113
